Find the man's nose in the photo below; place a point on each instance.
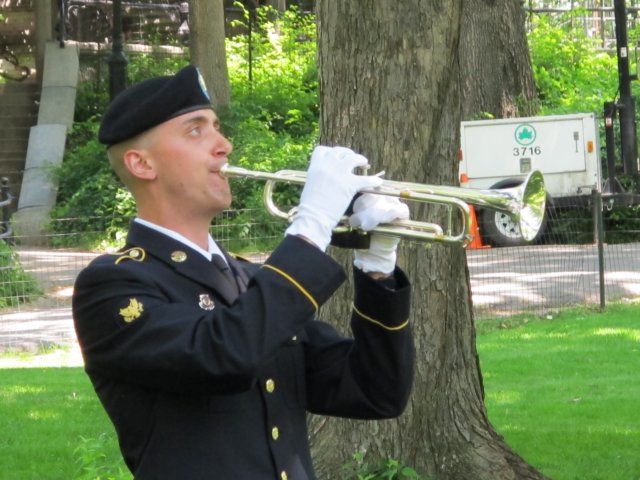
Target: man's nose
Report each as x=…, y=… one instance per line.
x=223, y=146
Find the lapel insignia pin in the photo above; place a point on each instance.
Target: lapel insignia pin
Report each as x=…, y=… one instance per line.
x=206, y=303
x=178, y=256
x=132, y=311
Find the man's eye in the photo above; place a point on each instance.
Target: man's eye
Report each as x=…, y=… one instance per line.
x=194, y=132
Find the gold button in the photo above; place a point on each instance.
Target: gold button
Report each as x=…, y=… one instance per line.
x=294, y=338
x=275, y=433
x=270, y=385
x=283, y=475
x=178, y=256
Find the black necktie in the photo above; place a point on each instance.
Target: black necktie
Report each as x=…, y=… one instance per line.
x=221, y=264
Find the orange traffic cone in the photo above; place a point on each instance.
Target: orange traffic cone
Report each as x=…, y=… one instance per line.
x=475, y=231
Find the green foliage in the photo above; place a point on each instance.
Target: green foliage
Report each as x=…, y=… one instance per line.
x=91, y=100
x=94, y=463
x=571, y=73
x=388, y=469
x=273, y=72
x=16, y=285
x=144, y=66
x=622, y=225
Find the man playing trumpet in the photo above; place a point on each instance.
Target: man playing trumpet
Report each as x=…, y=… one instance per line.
x=207, y=365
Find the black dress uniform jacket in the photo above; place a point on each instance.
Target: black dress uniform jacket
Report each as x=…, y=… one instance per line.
x=203, y=385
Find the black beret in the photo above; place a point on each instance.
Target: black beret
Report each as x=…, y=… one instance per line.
x=152, y=102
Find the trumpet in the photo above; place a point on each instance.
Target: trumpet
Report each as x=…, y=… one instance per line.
x=525, y=204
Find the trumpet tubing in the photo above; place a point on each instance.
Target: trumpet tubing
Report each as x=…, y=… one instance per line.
x=524, y=203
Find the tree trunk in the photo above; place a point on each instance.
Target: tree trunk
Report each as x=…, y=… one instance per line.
x=206, y=25
x=388, y=89
x=497, y=79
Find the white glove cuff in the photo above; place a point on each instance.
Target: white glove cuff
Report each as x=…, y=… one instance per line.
x=368, y=262
x=310, y=228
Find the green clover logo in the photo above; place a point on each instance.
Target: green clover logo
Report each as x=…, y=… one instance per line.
x=525, y=134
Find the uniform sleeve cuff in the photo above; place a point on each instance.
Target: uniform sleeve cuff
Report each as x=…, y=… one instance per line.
x=380, y=305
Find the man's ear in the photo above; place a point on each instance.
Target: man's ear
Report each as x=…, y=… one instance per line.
x=139, y=164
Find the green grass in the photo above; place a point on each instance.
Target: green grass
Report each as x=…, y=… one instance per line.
x=564, y=392
x=50, y=423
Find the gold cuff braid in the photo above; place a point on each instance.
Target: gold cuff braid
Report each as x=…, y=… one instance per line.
x=378, y=322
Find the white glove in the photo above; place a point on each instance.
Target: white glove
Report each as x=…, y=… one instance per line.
x=328, y=191
x=369, y=211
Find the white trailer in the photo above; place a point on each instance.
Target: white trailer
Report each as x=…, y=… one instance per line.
x=500, y=154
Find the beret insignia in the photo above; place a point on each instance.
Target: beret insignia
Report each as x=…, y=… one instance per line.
x=203, y=86
x=132, y=311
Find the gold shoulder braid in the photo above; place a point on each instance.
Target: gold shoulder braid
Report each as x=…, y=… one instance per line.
x=136, y=254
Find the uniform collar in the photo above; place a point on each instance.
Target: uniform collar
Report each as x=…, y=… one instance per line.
x=183, y=258
x=214, y=249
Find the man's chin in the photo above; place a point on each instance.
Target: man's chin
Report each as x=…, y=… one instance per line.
x=222, y=206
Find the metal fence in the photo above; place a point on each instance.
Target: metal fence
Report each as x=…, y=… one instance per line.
x=543, y=279
x=36, y=280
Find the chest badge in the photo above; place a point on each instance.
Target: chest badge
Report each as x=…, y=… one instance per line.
x=206, y=303
x=132, y=311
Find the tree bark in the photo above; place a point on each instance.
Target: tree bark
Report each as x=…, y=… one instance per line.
x=206, y=25
x=389, y=90
x=497, y=78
